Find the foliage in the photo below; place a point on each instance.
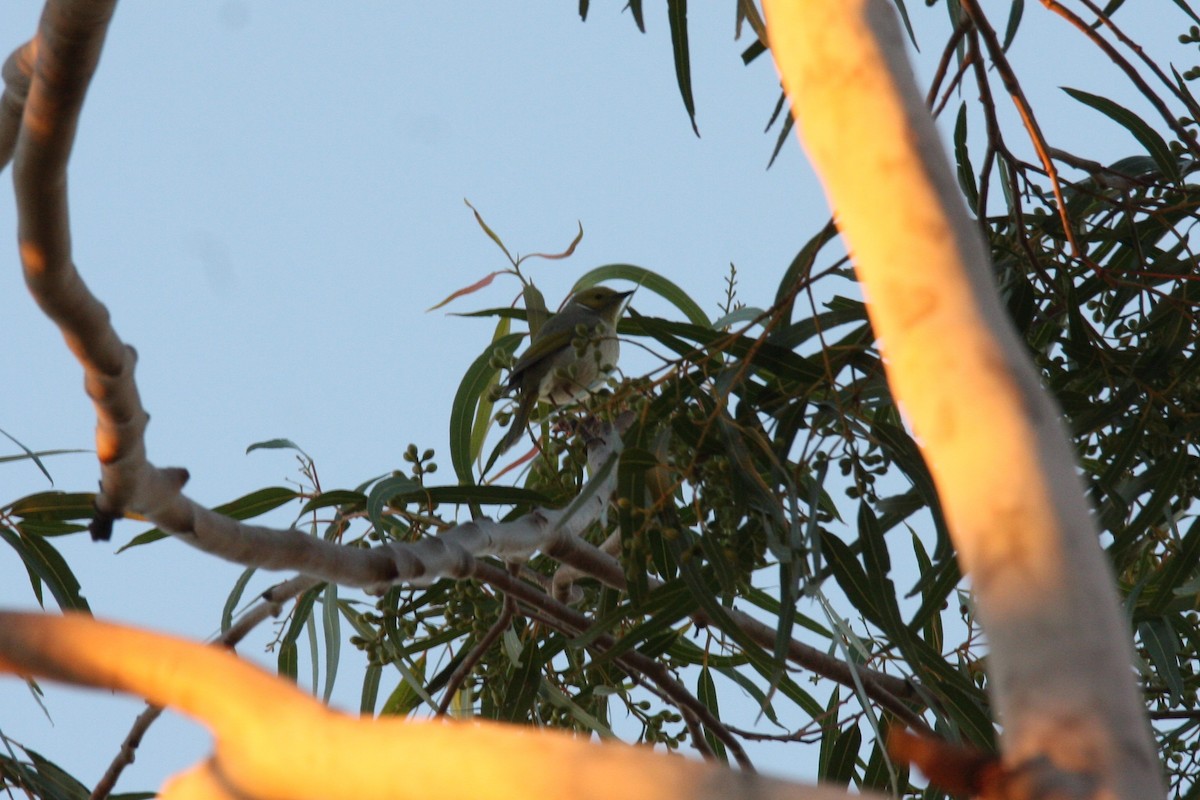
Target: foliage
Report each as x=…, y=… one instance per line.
x=768, y=470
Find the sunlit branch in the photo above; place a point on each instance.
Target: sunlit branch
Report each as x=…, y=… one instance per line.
x=270, y=605
x=273, y=740
x=1060, y=661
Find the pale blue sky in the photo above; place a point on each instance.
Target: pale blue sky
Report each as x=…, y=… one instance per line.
x=268, y=195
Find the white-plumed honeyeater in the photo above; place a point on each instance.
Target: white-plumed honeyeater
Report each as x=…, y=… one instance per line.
x=571, y=353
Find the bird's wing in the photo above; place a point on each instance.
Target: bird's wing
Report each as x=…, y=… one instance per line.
x=547, y=344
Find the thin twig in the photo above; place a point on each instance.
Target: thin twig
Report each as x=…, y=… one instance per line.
x=565, y=618
x=463, y=670
x=995, y=137
x=696, y=731
x=954, y=84
x=996, y=52
x=944, y=64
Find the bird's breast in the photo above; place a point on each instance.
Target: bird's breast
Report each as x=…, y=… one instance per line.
x=571, y=377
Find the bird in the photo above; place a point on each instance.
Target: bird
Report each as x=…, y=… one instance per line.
x=553, y=369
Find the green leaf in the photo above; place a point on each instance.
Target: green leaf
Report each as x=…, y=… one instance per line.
x=55, y=506
x=536, y=312
x=1187, y=10
x=404, y=699
x=1015, y=12
x=475, y=382
x=235, y=596
x=1155, y=145
x=677, y=15
x=589, y=721
x=761, y=700
x=288, y=661
x=797, y=275
x=701, y=588
x=660, y=610
x=829, y=732
x=635, y=8
x=493, y=495
x=912, y=37
x=278, y=444
x=331, y=621
x=851, y=578
x=381, y=493
x=35, y=457
x=524, y=682
x=370, y=689
x=706, y=693
x=483, y=409
x=769, y=359
x=335, y=498
x=1182, y=564
x=928, y=617
x=303, y=610
x=62, y=785
x=479, y=217
x=962, y=159
x=1165, y=477
x=878, y=776
x=1163, y=648
x=904, y=452
x=843, y=756
x=46, y=564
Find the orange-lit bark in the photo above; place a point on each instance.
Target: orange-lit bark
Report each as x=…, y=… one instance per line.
x=275, y=741
x=1060, y=664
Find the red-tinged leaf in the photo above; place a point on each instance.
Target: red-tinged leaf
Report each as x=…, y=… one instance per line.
x=533, y=451
x=474, y=287
x=564, y=254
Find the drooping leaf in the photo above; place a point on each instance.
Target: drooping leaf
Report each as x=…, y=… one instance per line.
x=1155, y=145
x=677, y=15
x=46, y=564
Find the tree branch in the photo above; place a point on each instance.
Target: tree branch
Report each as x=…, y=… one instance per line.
x=1061, y=658
x=269, y=605
x=273, y=740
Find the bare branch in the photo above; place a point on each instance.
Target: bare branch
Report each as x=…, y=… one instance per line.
x=18, y=70
x=1060, y=662
x=273, y=740
x=1036, y=137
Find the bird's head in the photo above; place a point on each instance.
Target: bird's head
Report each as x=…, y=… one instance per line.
x=602, y=300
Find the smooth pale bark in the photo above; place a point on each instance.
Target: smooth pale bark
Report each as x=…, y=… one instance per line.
x=1060, y=668
x=275, y=741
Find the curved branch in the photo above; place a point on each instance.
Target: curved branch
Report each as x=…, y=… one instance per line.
x=273, y=740
x=18, y=71
x=269, y=606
